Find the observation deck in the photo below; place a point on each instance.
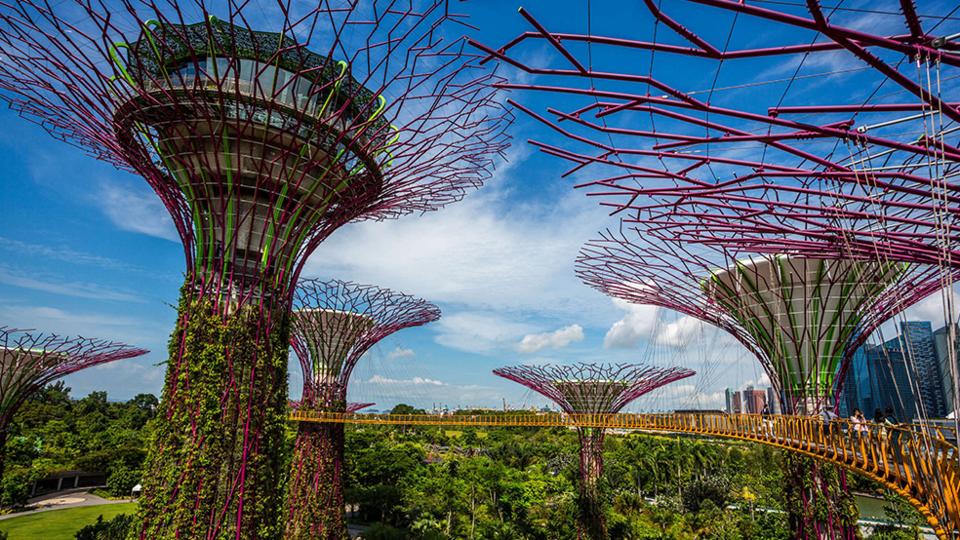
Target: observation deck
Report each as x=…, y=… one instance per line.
x=266, y=140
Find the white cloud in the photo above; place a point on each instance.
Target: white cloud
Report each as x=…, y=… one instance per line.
x=636, y=325
x=53, y=320
x=680, y=332
x=761, y=381
x=66, y=288
x=136, y=210
x=401, y=352
x=478, y=331
x=555, y=340
x=488, y=252
x=415, y=381
x=931, y=308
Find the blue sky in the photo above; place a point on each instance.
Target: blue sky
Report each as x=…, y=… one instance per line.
x=86, y=249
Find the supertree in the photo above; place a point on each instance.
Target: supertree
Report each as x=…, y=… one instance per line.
x=334, y=323
x=803, y=318
x=259, y=147
x=29, y=361
x=592, y=389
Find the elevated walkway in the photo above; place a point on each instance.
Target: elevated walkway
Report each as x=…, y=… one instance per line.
x=919, y=463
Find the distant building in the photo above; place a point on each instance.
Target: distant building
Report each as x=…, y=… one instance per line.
x=890, y=381
x=729, y=400
x=772, y=401
x=737, y=405
x=856, y=392
x=916, y=339
x=754, y=400
x=940, y=342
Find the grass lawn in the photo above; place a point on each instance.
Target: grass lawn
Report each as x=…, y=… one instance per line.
x=61, y=524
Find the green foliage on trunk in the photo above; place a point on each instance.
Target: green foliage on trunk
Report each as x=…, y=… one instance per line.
x=215, y=459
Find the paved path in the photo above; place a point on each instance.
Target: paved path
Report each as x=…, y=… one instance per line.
x=61, y=500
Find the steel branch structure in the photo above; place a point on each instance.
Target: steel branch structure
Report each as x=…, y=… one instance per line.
x=803, y=318
x=873, y=175
x=588, y=389
x=29, y=361
x=262, y=127
x=334, y=324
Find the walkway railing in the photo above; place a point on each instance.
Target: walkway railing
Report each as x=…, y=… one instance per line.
x=920, y=463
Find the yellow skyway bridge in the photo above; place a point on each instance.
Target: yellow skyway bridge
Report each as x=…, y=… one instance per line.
x=920, y=463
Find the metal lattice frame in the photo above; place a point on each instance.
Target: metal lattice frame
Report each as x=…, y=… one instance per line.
x=260, y=142
x=803, y=318
x=802, y=348
x=29, y=361
x=351, y=407
x=592, y=389
x=334, y=324
x=870, y=178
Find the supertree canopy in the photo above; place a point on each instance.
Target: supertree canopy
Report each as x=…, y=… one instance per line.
x=592, y=389
x=334, y=324
x=29, y=361
x=803, y=318
x=353, y=406
x=262, y=127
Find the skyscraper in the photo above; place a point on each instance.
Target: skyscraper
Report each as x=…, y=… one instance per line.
x=916, y=339
x=753, y=400
x=940, y=342
x=890, y=381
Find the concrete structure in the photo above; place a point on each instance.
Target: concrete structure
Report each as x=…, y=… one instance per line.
x=773, y=401
x=737, y=403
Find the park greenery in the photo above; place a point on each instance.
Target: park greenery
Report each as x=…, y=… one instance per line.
x=434, y=483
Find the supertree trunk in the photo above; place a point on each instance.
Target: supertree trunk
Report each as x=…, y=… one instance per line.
x=818, y=503
x=315, y=506
x=334, y=323
x=215, y=456
x=593, y=523
x=817, y=499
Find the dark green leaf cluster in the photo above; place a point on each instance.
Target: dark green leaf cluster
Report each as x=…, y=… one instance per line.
x=53, y=432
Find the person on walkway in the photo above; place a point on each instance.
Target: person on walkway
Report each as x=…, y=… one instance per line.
x=858, y=423
x=767, y=422
x=879, y=420
x=892, y=424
